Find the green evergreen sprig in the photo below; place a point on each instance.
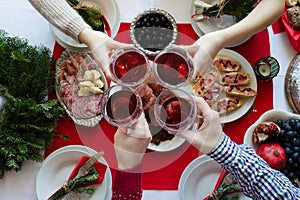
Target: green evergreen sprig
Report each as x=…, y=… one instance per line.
x=75, y=185
x=239, y=9
x=28, y=121
x=92, y=15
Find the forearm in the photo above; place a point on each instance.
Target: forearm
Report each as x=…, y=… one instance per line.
x=263, y=15
x=255, y=178
x=61, y=15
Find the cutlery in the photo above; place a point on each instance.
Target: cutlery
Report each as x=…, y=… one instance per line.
x=84, y=169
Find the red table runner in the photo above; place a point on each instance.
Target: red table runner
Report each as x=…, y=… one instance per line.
x=163, y=169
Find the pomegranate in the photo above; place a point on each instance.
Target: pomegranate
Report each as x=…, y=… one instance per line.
x=273, y=154
x=265, y=131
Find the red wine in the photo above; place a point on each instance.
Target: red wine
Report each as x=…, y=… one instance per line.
x=172, y=68
x=130, y=67
x=122, y=106
x=175, y=110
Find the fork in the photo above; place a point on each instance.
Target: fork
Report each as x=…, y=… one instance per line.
x=84, y=169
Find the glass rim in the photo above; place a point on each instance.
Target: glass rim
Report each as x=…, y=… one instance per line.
x=116, y=54
x=187, y=57
x=121, y=122
x=183, y=124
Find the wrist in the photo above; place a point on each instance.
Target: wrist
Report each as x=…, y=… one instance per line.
x=129, y=164
x=92, y=38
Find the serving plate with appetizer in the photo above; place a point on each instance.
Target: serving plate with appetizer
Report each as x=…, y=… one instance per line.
x=229, y=86
x=80, y=84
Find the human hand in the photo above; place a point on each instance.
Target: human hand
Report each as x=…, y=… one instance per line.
x=101, y=45
x=130, y=147
x=210, y=134
x=205, y=49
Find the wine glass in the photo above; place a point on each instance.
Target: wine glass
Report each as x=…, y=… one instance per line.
x=175, y=110
x=173, y=67
x=121, y=105
x=129, y=66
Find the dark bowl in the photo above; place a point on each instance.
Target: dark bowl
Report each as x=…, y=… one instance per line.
x=153, y=30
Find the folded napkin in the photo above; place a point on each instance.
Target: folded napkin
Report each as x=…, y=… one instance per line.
x=81, y=184
x=293, y=35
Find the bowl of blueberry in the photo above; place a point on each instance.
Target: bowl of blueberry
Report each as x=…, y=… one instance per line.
x=275, y=137
x=153, y=30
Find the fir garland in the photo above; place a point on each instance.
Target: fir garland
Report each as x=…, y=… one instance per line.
x=239, y=9
x=75, y=185
x=28, y=120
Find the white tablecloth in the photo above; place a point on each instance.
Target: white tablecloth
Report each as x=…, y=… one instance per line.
x=19, y=18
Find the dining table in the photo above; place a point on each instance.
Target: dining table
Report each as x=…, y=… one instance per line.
x=162, y=169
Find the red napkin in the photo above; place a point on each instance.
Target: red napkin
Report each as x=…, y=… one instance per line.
x=100, y=168
x=293, y=35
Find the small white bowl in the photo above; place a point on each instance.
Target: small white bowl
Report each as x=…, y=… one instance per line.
x=271, y=115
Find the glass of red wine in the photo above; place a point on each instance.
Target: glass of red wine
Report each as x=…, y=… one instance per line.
x=175, y=110
x=121, y=105
x=173, y=67
x=129, y=66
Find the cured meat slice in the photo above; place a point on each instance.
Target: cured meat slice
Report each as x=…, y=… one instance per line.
x=201, y=86
x=240, y=91
x=227, y=104
x=226, y=64
x=212, y=94
x=235, y=78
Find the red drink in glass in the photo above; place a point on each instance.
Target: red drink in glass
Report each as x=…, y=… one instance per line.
x=175, y=110
x=121, y=105
x=129, y=66
x=173, y=67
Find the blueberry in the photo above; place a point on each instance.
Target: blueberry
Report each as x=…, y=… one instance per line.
x=295, y=141
x=295, y=155
x=289, y=135
x=287, y=127
x=287, y=144
x=280, y=136
x=291, y=175
x=288, y=150
x=297, y=126
x=279, y=122
x=290, y=161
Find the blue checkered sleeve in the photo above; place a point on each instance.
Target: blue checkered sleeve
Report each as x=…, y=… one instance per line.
x=253, y=175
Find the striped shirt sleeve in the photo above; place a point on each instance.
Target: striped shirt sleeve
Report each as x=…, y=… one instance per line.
x=253, y=175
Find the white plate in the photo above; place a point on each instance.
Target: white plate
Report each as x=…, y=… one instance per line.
x=248, y=102
x=167, y=145
x=111, y=12
x=212, y=24
x=193, y=23
x=57, y=167
x=199, y=178
x=271, y=115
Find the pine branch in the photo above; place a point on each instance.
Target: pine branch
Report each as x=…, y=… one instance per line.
x=239, y=9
